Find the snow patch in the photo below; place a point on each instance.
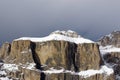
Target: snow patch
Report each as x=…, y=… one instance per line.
x=3, y=73
x=108, y=49
x=10, y=67
x=52, y=70
x=30, y=66
x=4, y=78
x=88, y=73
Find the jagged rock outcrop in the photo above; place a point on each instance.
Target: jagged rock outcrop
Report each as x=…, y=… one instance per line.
x=111, y=39
x=113, y=59
x=5, y=50
x=21, y=52
x=64, y=49
x=111, y=51
x=68, y=33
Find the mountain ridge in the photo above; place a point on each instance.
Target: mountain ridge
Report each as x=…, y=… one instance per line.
x=63, y=55
x=69, y=35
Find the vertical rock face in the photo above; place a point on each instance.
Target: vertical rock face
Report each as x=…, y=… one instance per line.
x=69, y=55
x=20, y=52
x=65, y=56
x=5, y=50
x=88, y=56
x=56, y=53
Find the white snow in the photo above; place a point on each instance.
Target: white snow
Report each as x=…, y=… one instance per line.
x=59, y=37
x=88, y=73
x=29, y=66
x=104, y=70
x=10, y=67
x=4, y=78
x=3, y=73
x=52, y=70
x=108, y=49
x=26, y=51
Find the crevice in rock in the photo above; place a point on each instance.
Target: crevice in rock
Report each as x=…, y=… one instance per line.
x=37, y=60
x=35, y=56
x=74, y=51
x=9, y=49
x=43, y=76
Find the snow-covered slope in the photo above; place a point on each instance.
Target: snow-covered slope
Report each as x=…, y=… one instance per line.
x=69, y=35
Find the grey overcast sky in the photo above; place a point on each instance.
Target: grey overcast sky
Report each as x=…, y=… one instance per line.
x=36, y=18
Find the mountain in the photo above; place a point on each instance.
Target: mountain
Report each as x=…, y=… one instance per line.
x=62, y=55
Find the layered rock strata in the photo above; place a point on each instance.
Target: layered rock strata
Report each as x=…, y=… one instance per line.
x=60, y=50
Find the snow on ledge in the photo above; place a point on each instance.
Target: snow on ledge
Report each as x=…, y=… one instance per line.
x=10, y=67
x=104, y=70
x=108, y=49
x=57, y=37
x=5, y=78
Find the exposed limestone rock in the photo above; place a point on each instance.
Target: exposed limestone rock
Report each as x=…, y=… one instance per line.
x=56, y=53
x=5, y=50
x=88, y=57
x=25, y=74
x=20, y=52
x=67, y=76
x=28, y=74
x=69, y=55
x=113, y=57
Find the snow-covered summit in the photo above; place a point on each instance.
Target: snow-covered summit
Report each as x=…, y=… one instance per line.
x=69, y=35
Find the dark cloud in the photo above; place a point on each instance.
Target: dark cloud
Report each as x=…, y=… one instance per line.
x=90, y=18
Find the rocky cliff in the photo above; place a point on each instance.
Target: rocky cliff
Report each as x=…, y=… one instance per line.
x=63, y=55
x=110, y=49
x=111, y=39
